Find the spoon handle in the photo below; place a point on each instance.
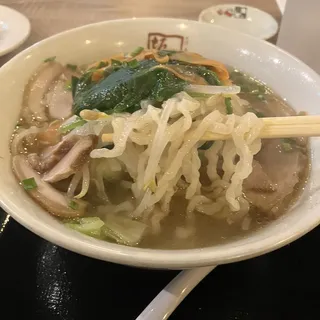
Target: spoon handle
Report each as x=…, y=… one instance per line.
x=161, y=307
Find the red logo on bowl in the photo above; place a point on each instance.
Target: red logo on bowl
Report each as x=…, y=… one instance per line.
x=236, y=12
x=160, y=41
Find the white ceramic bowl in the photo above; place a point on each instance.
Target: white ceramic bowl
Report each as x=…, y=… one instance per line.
x=289, y=77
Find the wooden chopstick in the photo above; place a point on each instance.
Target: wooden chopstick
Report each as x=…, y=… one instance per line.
x=274, y=127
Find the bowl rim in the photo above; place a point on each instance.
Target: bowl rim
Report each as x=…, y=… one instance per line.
x=143, y=257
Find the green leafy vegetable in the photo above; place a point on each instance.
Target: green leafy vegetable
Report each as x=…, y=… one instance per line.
x=126, y=84
x=166, y=85
x=136, y=51
x=50, y=59
x=125, y=87
x=72, y=67
x=29, y=184
x=227, y=102
x=70, y=126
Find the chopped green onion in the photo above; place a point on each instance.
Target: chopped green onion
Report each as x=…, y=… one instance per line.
x=210, y=76
x=73, y=205
x=227, y=102
x=287, y=147
x=68, y=86
x=29, y=184
x=102, y=64
x=133, y=63
x=116, y=63
x=199, y=95
x=136, y=51
x=70, y=126
x=50, y=59
x=72, y=67
x=74, y=83
x=288, y=144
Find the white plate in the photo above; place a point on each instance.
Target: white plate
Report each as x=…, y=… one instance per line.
x=14, y=29
x=242, y=18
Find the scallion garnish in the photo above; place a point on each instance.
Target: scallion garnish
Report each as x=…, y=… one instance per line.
x=136, y=51
x=133, y=63
x=29, y=184
x=115, y=63
x=288, y=144
x=50, y=59
x=72, y=67
x=74, y=83
x=287, y=147
x=73, y=205
x=102, y=64
x=68, y=86
x=227, y=102
x=70, y=126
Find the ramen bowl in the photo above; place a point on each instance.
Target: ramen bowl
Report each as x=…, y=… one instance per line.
x=287, y=76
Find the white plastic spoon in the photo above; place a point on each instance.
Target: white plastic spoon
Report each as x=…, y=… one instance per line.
x=161, y=307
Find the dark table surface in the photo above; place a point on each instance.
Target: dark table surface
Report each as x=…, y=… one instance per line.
x=40, y=281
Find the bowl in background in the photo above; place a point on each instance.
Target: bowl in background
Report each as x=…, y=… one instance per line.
x=242, y=18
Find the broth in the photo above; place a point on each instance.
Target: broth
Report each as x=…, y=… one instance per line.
x=281, y=165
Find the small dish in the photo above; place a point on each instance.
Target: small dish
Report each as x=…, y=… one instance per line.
x=14, y=29
x=242, y=18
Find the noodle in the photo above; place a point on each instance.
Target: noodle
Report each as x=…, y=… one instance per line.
x=169, y=138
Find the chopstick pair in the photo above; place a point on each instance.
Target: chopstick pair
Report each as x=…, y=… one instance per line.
x=274, y=127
